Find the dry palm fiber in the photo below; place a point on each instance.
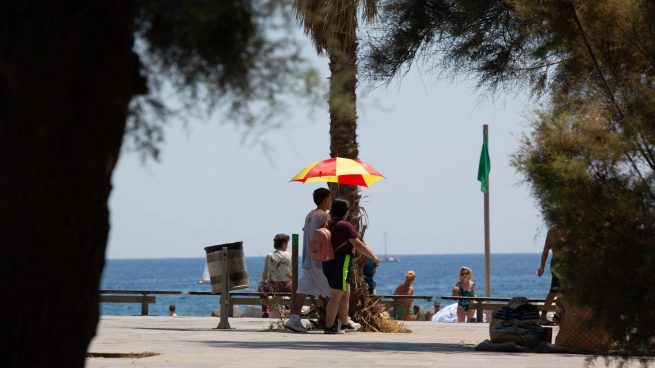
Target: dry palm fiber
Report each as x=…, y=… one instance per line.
x=366, y=310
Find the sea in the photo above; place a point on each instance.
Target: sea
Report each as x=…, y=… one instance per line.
x=511, y=275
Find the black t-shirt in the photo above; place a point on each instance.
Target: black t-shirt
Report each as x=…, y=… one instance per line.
x=343, y=231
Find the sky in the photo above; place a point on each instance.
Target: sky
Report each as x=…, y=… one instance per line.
x=422, y=133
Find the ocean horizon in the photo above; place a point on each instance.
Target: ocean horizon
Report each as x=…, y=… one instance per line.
x=511, y=274
x=377, y=253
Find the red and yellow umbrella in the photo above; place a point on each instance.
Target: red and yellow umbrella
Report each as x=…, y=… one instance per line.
x=339, y=170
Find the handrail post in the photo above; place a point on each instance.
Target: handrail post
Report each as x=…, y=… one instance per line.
x=224, y=324
x=144, y=305
x=294, y=265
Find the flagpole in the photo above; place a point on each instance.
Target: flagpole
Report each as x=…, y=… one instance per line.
x=487, y=262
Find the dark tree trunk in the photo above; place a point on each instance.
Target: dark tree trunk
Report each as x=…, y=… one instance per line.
x=67, y=74
x=343, y=118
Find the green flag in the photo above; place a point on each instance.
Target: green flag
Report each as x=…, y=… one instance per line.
x=484, y=167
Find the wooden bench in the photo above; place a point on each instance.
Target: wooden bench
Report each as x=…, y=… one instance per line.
x=250, y=298
x=389, y=300
x=492, y=304
x=258, y=298
x=134, y=296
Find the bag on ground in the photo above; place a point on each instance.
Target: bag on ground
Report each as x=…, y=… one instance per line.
x=517, y=323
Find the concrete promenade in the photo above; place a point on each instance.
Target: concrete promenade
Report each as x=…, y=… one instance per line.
x=192, y=342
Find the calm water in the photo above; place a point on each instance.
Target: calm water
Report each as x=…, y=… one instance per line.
x=511, y=274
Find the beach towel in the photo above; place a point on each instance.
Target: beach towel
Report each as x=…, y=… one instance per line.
x=447, y=314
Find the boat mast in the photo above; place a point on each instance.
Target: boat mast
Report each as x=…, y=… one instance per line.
x=386, y=256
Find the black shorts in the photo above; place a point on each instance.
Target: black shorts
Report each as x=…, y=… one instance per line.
x=554, y=283
x=338, y=271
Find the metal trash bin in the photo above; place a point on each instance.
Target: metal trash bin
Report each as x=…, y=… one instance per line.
x=236, y=266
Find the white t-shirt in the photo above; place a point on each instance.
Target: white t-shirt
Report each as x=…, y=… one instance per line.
x=279, y=266
x=315, y=219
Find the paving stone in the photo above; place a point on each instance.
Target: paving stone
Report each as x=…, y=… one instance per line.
x=194, y=342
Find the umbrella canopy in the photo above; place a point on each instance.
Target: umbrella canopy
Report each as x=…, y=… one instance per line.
x=339, y=170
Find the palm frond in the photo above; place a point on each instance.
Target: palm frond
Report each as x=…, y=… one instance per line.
x=332, y=24
x=370, y=10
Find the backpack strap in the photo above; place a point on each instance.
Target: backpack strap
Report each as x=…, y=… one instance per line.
x=341, y=246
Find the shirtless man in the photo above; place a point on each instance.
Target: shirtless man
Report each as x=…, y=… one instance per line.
x=552, y=243
x=405, y=288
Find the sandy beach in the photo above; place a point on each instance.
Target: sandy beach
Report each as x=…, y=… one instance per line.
x=193, y=342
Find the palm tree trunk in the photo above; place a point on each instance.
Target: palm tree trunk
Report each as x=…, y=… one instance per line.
x=343, y=143
x=343, y=118
x=332, y=26
x=67, y=75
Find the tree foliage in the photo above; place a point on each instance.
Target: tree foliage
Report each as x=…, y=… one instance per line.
x=69, y=73
x=477, y=36
x=578, y=170
x=240, y=56
x=590, y=160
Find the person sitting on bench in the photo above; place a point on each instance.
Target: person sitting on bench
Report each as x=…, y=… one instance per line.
x=464, y=287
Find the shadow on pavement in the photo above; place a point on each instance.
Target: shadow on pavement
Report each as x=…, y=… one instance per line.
x=187, y=329
x=356, y=346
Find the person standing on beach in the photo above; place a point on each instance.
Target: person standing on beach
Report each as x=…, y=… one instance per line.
x=338, y=271
x=368, y=271
x=402, y=306
x=464, y=287
x=554, y=238
x=313, y=281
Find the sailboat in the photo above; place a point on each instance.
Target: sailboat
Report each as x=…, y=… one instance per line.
x=386, y=257
x=205, y=276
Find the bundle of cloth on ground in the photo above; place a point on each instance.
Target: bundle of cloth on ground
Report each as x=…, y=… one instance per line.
x=515, y=327
x=517, y=322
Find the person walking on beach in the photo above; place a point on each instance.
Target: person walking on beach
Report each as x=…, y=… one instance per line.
x=338, y=271
x=171, y=310
x=554, y=238
x=464, y=287
x=312, y=281
x=276, y=276
x=402, y=306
